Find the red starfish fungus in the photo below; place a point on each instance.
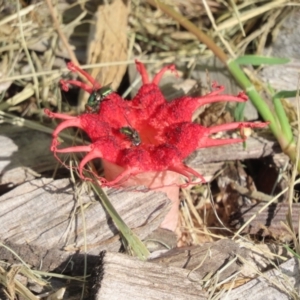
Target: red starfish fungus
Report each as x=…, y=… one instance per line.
x=164, y=133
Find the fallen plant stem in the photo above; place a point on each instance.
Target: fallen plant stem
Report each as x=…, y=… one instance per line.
x=279, y=125
x=60, y=32
x=135, y=244
x=30, y=63
x=289, y=220
x=250, y=194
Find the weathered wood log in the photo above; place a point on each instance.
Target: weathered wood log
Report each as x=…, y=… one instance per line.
x=205, y=259
x=208, y=161
x=269, y=221
x=118, y=274
x=220, y=259
x=40, y=258
x=25, y=153
x=214, y=261
x=281, y=283
x=46, y=259
x=121, y=277
x=256, y=147
x=46, y=213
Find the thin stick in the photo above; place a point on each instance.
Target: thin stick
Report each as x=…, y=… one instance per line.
x=212, y=20
x=60, y=33
x=35, y=80
x=20, y=13
x=249, y=14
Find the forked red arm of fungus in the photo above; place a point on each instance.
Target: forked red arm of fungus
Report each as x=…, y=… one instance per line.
x=145, y=141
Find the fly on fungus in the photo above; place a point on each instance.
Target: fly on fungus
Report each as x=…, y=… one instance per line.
x=132, y=134
x=96, y=97
x=166, y=134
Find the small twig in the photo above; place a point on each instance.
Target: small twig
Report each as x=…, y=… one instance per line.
x=60, y=33
x=251, y=13
x=289, y=218
x=19, y=13
x=35, y=80
x=237, y=13
x=212, y=20
x=250, y=194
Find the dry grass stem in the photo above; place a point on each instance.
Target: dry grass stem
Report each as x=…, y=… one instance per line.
x=62, y=36
x=251, y=13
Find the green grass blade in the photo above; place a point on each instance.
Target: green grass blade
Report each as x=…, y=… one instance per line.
x=257, y=60
x=291, y=251
x=283, y=119
x=133, y=242
x=239, y=112
x=258, y=102
x=286, y=94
